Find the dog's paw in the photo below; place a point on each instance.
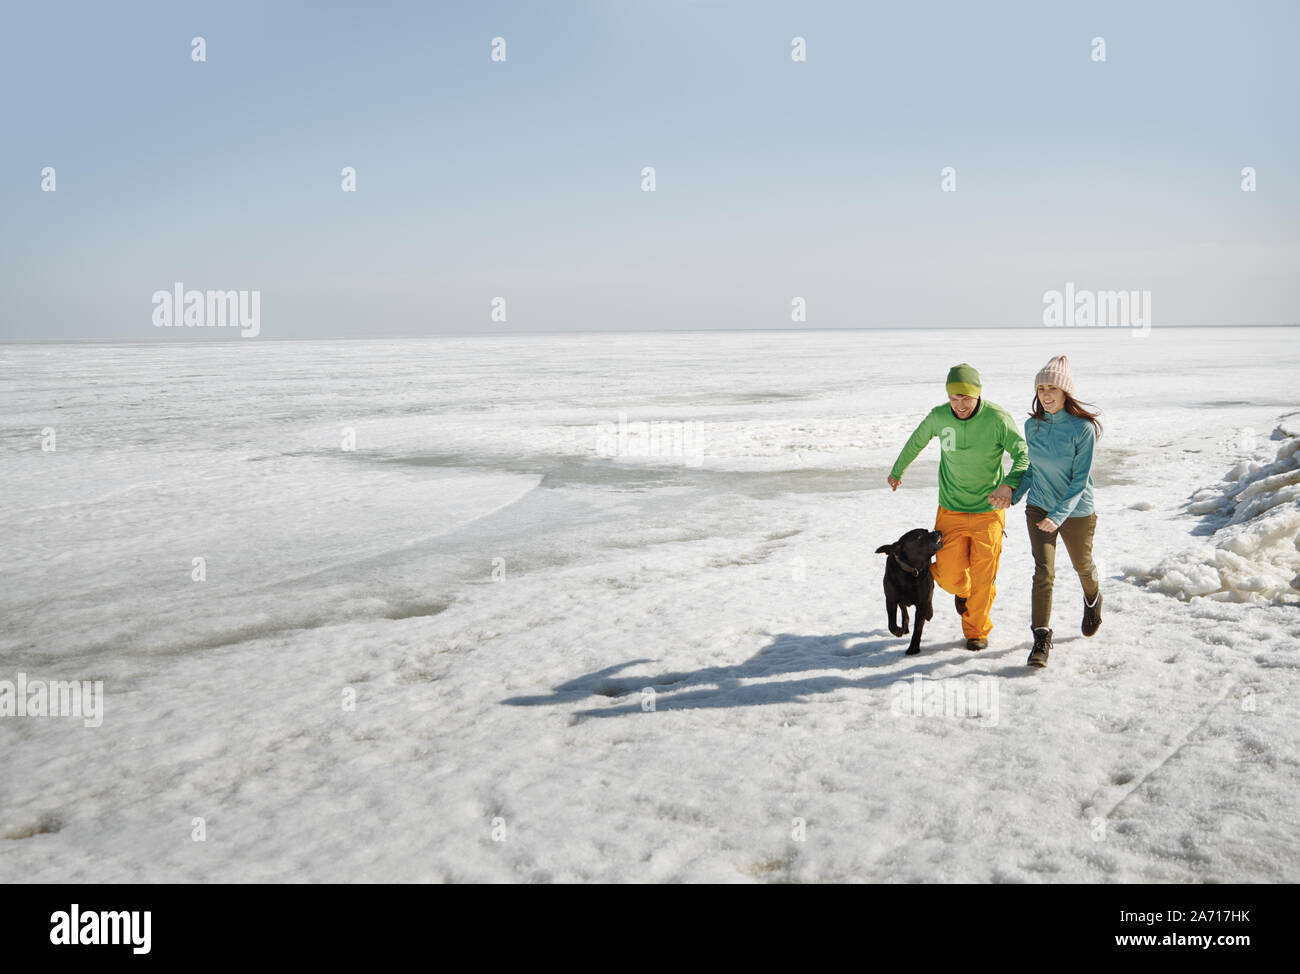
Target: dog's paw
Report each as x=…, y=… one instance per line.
x=913, y=651
x=897, y=632
x=906, y=630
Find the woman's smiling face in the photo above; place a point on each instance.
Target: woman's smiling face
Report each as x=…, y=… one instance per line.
x=1051, y=397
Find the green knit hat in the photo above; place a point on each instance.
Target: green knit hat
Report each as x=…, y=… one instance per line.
x=963, y=380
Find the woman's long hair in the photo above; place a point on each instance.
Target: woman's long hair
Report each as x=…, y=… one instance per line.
x=1073, y=407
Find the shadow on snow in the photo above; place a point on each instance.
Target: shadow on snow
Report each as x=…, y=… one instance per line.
x=876, y=651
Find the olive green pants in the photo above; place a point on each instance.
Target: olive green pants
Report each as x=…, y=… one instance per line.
x=1077, y=534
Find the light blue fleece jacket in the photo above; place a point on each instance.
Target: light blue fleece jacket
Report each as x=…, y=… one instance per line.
x=1059, y=478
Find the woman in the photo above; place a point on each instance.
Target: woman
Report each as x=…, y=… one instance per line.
x=1061, y=434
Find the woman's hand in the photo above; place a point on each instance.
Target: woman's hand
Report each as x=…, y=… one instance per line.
x=1048, y=525
x=894, y=484
x=1000, y=499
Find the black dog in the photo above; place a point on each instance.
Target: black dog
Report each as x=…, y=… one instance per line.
x=908, y=580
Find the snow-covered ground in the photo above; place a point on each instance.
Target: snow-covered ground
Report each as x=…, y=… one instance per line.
x=510, y=549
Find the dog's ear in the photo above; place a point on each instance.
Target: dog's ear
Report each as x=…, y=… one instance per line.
x=886, y=549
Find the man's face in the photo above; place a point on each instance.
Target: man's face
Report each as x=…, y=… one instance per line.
x=963, y=406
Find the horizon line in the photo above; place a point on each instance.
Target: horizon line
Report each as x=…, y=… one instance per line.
x=496, y=333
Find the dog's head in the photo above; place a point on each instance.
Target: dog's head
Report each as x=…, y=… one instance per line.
x=915, y=548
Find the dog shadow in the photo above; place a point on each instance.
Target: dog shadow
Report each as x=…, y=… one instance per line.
x=876, y=651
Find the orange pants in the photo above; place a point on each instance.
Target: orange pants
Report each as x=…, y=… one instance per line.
x=967, y=563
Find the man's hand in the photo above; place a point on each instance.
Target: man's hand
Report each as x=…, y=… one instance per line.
x=1000, y=499
x=893, y=484
x=1048, y=525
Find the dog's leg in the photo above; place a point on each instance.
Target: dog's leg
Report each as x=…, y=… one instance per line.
x=914, y=646
x=902, y=610
x=892, y=606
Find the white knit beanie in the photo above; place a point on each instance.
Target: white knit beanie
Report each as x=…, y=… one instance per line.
x=1056, y=373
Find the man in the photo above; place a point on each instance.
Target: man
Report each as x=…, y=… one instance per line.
x=973, y=435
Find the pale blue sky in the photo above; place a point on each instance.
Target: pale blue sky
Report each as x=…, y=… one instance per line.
x=522, y=179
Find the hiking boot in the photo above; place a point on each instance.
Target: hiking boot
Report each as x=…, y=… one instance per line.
x=958, y=601
x=1042, y=646
x=1091, y=615
x=975, y=645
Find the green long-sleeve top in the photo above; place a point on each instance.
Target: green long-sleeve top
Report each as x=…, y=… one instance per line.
x=970, y=464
